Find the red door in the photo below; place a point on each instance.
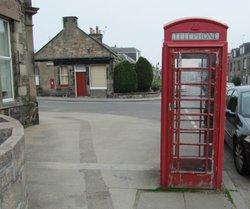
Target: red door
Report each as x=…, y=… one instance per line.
x=193, y=125
x=81, y=84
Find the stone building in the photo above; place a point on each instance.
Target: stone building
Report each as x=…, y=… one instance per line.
x=75, y=63
x=17, y=81
x=239, y=63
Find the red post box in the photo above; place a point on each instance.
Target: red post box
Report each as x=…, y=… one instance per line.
x=194, y=62
x=52, y=83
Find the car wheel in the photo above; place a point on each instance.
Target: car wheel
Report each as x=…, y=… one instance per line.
x=240, y=159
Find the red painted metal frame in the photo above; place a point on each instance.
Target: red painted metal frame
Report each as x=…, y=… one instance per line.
x=192, y=25
x=206, y=179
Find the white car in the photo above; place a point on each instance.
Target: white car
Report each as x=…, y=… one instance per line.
x=230, y=85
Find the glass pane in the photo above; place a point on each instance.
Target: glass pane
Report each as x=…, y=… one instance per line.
x=213, y=60
x=81, y=68
x=64, y=80
x=64, y=75
x=194, y=75
x=64, y=71
x=194, y=137
x=37, y=80
x=6, y=79
x=4, y=40
x=191, y=60
x=245, y=110
x=195, y=144
x=191, y=151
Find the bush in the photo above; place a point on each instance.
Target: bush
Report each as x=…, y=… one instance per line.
x=236, y=80
x=156, y=85
x=125, y=79
x=144, y=72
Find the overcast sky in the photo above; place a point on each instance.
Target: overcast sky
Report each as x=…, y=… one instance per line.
x=138, y=23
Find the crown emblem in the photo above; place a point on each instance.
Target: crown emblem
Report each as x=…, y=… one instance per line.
x=195, y=27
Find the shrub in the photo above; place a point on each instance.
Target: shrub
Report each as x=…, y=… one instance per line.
x=236, y=80
x=125, y=79
x=156, y=85
x=144, y=72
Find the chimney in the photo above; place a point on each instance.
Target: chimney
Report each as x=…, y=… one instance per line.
x=96, y=34
x=70, y=22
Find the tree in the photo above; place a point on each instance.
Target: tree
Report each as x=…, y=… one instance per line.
x=125, y=79
x=144, y=72
x=236, y=80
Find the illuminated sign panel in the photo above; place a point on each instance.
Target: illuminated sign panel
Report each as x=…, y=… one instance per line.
x=195, y=36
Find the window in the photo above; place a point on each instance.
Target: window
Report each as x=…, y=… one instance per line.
x=233, y=102
x=37, y=77
x=238, y=65
x=80, y=68
x=245, y=64
x=242, y=50
x=64, y=75
x=234, y=53
x=98, y=77
x=37, y=80
x=231, y=67
x=229, y=92
x=245, y=100
x=6, y=83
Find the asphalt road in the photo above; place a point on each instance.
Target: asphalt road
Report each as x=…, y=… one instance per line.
x=150, y=110
x=146, y=110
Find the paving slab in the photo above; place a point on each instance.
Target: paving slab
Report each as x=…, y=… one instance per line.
x=158, y=200
x=132, y=179
x=207, y=200
x=123, y=198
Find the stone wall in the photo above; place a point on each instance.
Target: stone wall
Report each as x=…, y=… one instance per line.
x=21, y=39
x=98, y=93
x=136, y=95
x=26, y=113
x=13, y=190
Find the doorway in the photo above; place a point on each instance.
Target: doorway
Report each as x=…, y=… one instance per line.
x=80, y=78
x=194, y=80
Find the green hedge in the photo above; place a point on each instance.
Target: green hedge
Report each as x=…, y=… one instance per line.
x=156, y=85
x=144, y=72
x=125, y=79
x=236, y=80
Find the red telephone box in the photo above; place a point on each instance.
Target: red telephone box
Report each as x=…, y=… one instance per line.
x=194, y=65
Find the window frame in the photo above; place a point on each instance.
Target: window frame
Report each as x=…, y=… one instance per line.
x=93, y=87
x=9, y=59
x=63, y=75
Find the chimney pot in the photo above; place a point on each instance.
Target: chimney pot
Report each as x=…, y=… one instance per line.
x=69, y=22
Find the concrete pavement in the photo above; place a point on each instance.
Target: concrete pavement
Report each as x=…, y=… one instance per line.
x=97, y=161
